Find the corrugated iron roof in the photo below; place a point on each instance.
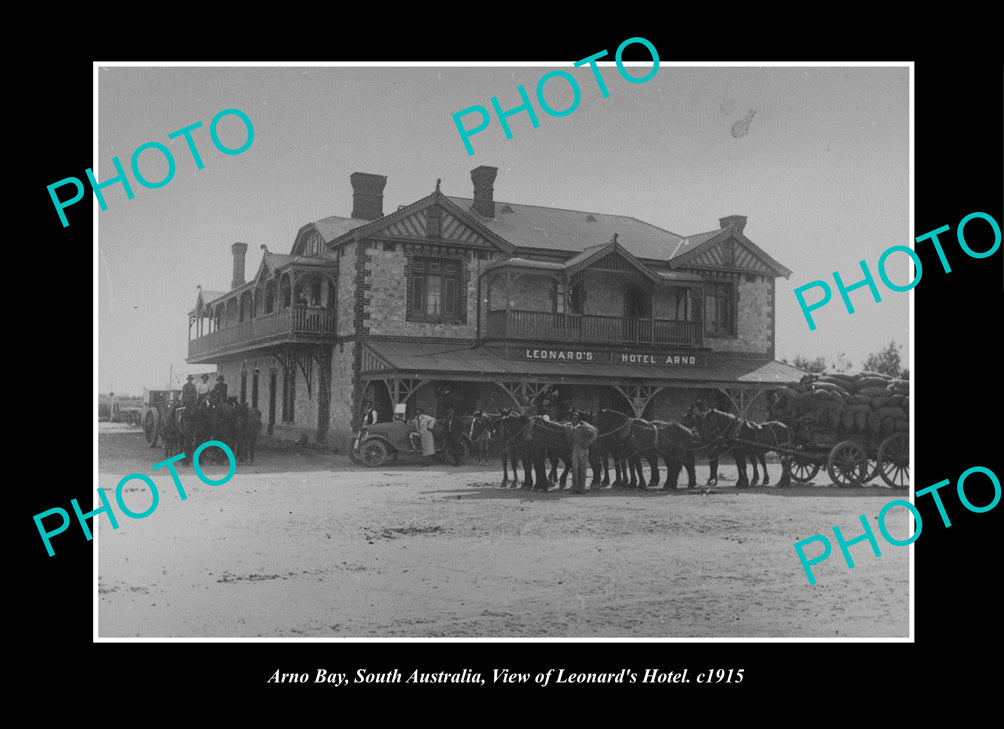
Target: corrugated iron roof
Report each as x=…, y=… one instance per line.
x=557, y=229
x=335, y=226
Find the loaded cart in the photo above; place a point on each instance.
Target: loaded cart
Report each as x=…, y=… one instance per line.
x=856, y=425
x=155, y=404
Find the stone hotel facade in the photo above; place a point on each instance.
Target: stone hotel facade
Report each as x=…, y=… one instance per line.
x=479, y=304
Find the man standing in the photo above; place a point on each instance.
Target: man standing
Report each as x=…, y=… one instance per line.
x=454, y=438
x=424, y=424
x=581, y=435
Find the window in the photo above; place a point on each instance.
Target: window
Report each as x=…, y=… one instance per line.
x=559, y=297
x=719, y=309
x=435, y=287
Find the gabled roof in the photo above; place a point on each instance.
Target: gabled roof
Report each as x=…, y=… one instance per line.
x=695, y=248
x=560, y=230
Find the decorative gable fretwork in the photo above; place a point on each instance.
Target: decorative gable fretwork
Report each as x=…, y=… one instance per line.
x=417, y=225
x=729, y=254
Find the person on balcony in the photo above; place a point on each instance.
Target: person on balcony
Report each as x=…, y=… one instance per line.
x=301, y=300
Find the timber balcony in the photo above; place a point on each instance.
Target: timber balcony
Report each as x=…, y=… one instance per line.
x=543, y=327
x=293, y=324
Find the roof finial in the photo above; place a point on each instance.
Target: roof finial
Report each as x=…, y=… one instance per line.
x=614, y=239
x=438, y=180
x=264, y=247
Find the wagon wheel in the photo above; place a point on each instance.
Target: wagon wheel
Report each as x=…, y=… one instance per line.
x=803, y=469
x=373, y=453
x=350, y=449
x=894, y=461
x=873, y=470
x=151, y=428
x=847, y=464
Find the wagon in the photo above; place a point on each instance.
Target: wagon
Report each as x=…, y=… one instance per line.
x=155, y=403
x=851, y=459
x=375, y=444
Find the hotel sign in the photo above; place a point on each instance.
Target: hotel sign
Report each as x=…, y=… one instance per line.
x=619, y=357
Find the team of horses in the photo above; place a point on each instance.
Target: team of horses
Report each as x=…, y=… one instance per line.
x=627, y=441
x=233, y=423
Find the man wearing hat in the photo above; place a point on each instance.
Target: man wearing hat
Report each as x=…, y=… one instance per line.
x=189, y=395
x=202, y=390
x=220, y=391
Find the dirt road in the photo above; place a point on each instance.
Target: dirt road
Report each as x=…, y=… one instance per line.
x=306, y=544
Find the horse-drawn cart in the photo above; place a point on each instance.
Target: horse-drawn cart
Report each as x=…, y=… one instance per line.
x=155, y=403
x=851, y=459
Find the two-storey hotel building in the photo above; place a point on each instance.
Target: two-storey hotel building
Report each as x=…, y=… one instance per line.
x=475, y=303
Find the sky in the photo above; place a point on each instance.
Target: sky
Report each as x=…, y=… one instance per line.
x=822, y=173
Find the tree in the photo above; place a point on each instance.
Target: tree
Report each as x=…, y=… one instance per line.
x=809, y=365
x=886, y=361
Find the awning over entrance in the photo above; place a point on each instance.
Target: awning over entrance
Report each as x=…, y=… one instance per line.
x=425, y=361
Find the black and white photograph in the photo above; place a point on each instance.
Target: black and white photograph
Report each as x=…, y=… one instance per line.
x=585, y=367
x=547, y=386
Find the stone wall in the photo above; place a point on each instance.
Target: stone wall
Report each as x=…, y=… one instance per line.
x=346, y=290
x=529, y=292
x=604, y=294
x=341, y=406
x=754, y=318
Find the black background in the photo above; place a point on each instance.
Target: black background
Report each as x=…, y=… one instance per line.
x=959, y=128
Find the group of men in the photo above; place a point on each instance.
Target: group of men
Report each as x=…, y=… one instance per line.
x=201, y=394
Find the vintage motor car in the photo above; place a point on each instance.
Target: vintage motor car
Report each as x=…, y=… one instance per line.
x=374, y=444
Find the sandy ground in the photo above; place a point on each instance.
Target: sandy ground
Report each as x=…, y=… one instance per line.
x=307, y=544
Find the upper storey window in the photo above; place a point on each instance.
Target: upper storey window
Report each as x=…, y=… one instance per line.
x=435, y=290
x=313, y=246
x=719, y=309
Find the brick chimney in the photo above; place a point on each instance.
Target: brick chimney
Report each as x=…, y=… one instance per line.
x=483, y=178
x=736, y=222
x=367, y=195
x=239, y=251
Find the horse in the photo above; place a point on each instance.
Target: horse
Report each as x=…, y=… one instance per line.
x=544, y=440
x=185, y=431
x=607, y=446
x=495, y=423
x=721, y=432
x=637, y=437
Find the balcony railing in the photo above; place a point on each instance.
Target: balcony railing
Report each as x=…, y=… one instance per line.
x=541, y=326
x=295, y=322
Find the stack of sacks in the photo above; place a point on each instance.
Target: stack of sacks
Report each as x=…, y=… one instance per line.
x=869, y=403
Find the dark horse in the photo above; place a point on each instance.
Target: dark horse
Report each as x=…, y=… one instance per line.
x=510, y=428
x=626, y=464
x=720, y=432
x=634, y=437
x=545, y=440
x=184, y=430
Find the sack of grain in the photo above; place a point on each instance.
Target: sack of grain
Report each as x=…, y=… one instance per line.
x=881, y=401
x=873, y=391
x=861, y=420
x=902, y=426
x=890, y=412
x=872, y=422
